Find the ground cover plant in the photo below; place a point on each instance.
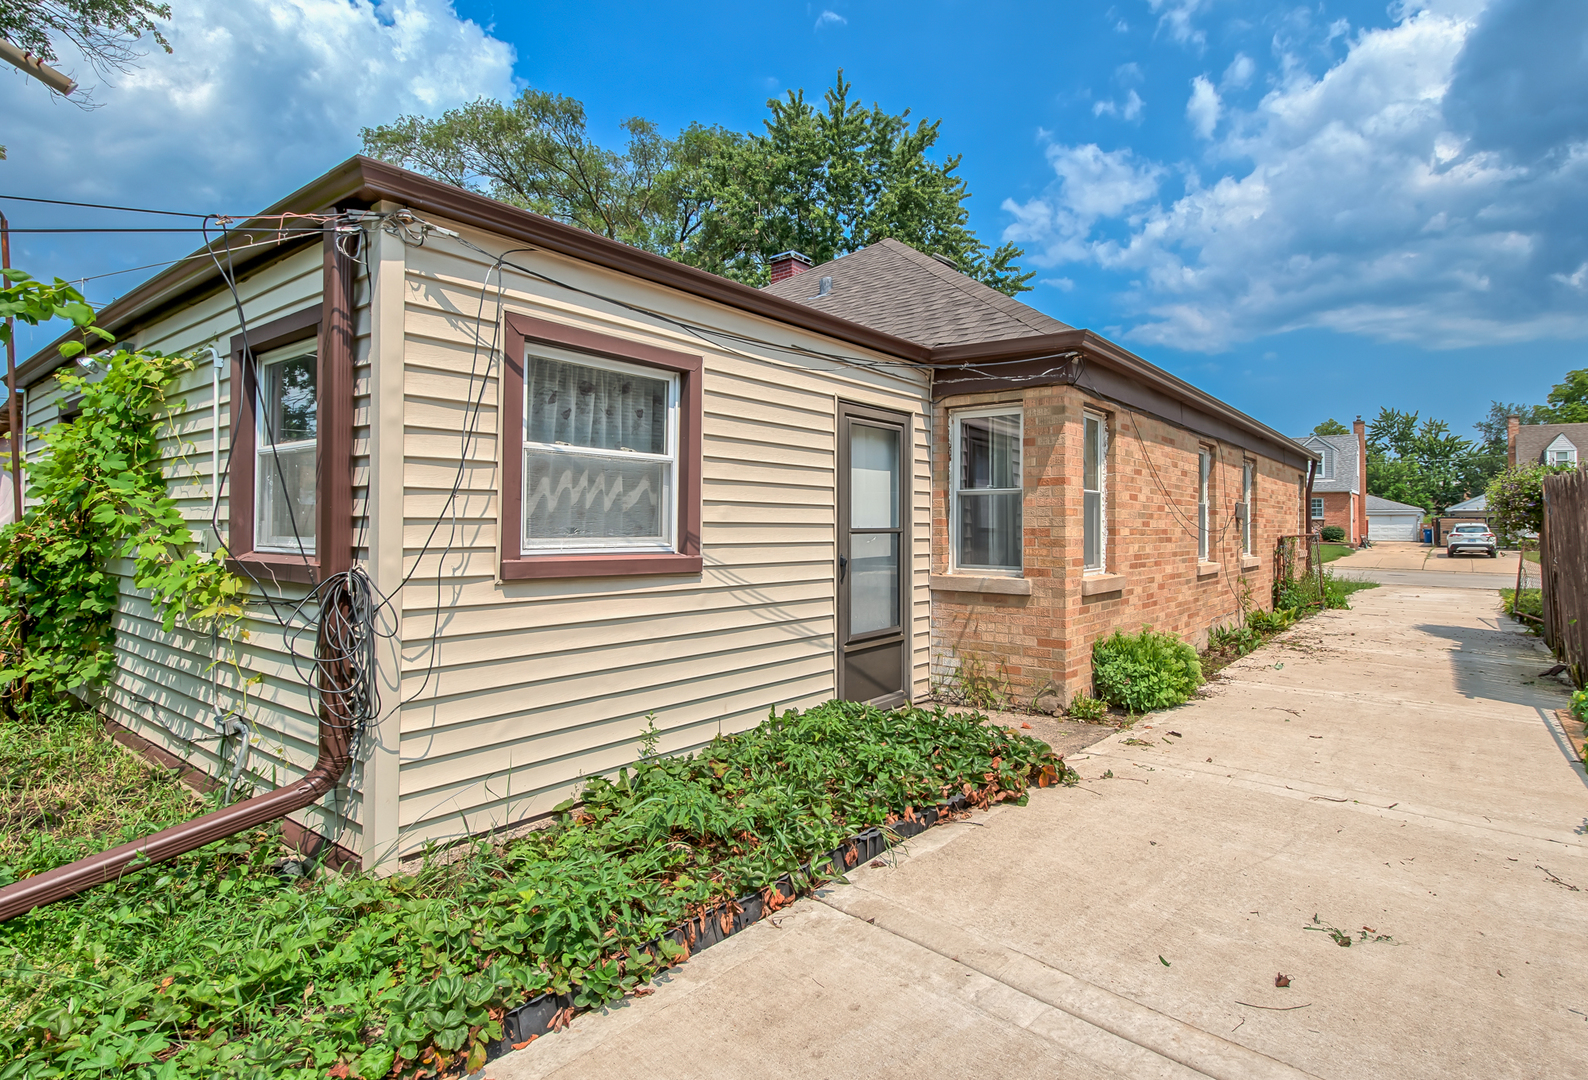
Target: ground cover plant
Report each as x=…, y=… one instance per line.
x=67, y=791
x=221, y=965
x=1526, y=607
x=1330, y=552
x=1144, y=672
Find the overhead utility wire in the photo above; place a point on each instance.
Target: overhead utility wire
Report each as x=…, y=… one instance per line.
x=107, y=206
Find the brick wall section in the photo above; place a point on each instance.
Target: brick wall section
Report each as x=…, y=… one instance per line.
x=1339, y=508
x=1041, y=644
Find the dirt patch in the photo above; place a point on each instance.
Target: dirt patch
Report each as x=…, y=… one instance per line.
x=1065, y=736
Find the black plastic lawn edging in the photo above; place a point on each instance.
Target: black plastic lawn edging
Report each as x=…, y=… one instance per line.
x=540, y=1015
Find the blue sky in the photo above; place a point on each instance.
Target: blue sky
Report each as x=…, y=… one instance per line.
x=1310, y=210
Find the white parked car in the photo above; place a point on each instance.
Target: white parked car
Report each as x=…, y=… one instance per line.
x=1474, y=537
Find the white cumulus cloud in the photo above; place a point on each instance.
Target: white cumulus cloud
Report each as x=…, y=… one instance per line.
x=1204, y=107
x=830, y=18
x=1427, y=188
x=256, y=99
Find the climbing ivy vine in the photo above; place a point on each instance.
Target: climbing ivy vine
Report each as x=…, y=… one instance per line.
x=97, y=494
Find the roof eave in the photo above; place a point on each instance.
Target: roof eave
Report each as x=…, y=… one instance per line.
x=1093, y=346
x=362, y=180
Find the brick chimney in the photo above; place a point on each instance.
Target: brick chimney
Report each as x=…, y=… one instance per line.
x=1513, y=427
x=786, y=264
x=1361, y=479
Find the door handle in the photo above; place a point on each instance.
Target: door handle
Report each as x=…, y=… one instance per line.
x=843, y=564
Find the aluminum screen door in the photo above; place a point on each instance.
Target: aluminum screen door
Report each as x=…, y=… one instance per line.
x=873, y=555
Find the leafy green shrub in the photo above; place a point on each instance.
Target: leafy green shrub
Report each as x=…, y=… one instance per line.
x=1146, y=671
x=1235, y=638
x=215, y=965
x=1579, y=705
x=1301, y=593
x=1086, y=708
x=1333, y=534
x=1523, y=604
x=1516, y=500
x=1270, y=622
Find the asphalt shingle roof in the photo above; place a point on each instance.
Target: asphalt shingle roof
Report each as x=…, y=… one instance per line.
x=891, y=287
x=1375, y=502
x=1533, y=439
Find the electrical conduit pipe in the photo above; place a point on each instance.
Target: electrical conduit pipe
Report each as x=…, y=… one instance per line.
x=335, y=683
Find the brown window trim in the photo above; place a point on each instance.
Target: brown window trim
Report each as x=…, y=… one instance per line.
x=331, y=323
x=686, y=557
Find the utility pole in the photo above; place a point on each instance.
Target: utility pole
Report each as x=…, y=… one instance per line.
x=11, y=373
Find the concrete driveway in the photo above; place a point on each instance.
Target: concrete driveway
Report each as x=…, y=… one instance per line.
x=1393, y=563
x=1390, y=776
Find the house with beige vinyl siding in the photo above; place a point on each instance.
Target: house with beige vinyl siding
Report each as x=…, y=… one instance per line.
x=597, y=487
x=596, y=490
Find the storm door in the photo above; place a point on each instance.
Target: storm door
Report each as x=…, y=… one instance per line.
x=873, y=555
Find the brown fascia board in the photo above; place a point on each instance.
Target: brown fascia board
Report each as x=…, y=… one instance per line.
x=1119, y=375
x=362, y=182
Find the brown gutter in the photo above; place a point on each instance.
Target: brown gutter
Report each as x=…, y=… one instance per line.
x=335, y=681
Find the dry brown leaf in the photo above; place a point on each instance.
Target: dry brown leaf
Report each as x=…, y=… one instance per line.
x=1281, y=979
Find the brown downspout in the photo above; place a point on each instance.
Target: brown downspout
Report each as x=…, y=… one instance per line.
x=11, y=375
x=335, y=683
x=1361, y=480
x=334, y=678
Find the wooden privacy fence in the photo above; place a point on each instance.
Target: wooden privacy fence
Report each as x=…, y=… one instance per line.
x=1563, y=562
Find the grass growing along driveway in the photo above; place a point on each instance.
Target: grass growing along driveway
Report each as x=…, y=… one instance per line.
x=1331, y=552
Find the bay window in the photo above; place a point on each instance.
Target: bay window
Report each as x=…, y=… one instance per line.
x=988, y=525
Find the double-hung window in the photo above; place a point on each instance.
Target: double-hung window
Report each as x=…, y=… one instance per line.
x=600, y=454
x=1248, y=488
x=1317, y=508
x=987, y=490
x=285, y=441
x=1094, y=489
x=601, y=457
x=1204, y=478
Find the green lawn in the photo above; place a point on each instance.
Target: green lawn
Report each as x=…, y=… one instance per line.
x=1331, y=552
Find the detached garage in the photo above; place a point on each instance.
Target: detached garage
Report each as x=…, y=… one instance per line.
x=1390, y=520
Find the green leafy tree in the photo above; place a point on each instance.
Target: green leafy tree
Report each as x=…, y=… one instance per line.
x=104, y=31
x=824, y=182
x=1568, y=401
x=1331, y=426
x=828, y=181
x=538, y=154
x=1423, y=463
x=1495, y=424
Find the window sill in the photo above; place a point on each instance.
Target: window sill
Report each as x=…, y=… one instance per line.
x=1207, y=569
x=1250, y=562
x=270, y=566
x=616, y=564
x=978, y=583
x=1102, y=584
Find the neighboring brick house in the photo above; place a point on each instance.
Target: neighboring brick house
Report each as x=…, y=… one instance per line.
x=1076, y=488
x=1340, y=481
x=1548, y=444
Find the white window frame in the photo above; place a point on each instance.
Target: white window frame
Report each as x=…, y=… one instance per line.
x=956, y=492
x=1317, y=508
x=1248, y=490
x=265, y=450
x=1204, y=503
x=1101, y=567
x=586, y=545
